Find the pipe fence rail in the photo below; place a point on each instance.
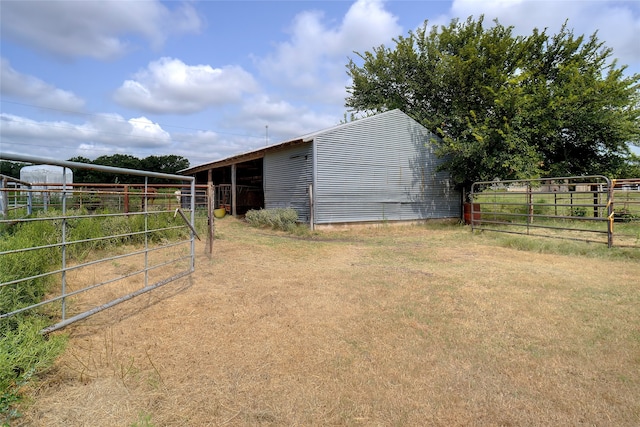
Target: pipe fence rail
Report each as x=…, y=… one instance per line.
x=585, y=208
x=83, y=248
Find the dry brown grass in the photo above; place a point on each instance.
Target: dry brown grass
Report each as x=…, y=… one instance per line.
x=386, y=326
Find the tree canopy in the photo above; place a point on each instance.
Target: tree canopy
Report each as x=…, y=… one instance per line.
x=169, y=164
x=506, y=106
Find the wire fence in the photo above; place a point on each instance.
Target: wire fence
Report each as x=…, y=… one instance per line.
x=84, y=248
x=586, y=208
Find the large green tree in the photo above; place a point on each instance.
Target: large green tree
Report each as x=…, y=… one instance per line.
x=505, y=106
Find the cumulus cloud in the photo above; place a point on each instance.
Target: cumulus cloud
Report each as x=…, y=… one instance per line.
x=284, y=119
x=315, y=56
x=171, y=86
x=110, y=133
x=98, y=29
x=35, y=91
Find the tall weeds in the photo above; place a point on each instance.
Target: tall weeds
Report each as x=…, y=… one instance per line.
x=23, y=350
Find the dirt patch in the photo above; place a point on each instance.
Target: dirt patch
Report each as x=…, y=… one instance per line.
x=379, y=326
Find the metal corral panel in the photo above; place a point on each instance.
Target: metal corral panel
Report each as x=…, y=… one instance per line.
x=287, y=175
x=380, y=168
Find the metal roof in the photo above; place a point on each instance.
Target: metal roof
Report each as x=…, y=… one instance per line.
x=260, y=152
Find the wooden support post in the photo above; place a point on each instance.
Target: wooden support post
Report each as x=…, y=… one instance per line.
x=126, y=199
x=210, y=217
x=233, y=190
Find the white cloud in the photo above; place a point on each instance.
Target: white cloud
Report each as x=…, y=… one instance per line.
x=314, y=58
x=367, y=24
x=35, y=91
x=284, y=120
x=98, y=29
x=170, y=86
x=110, y=133
x=206, y=146
x=144, y=129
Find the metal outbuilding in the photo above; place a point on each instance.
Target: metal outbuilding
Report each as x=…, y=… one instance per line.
x=46, y=174
x=379, y=168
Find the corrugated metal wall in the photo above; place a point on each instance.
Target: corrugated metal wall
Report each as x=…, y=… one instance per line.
x=287, y=175
x=380, y=168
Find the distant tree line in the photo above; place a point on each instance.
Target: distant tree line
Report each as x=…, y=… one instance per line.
x=169, y=164
x=11, y=169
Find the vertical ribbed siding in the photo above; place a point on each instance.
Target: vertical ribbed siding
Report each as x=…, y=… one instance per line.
x=287, y=175
x=380, y=168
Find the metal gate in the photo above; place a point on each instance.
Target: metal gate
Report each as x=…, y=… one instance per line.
x=585, y=208
x=92, y=247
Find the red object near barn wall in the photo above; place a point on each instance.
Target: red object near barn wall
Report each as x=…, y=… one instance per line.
x=467, y=212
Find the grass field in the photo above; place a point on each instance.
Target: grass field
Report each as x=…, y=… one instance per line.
x=389, y=326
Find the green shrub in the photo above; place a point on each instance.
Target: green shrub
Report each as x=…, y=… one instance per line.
x=625, y=215
x=580, y=211
x=278, y=219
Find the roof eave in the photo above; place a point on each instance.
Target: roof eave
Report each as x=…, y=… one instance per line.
x=244, y=157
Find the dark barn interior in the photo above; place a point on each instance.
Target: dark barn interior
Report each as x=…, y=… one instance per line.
x=248, y=185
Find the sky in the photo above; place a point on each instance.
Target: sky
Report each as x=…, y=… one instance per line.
x=209, y=79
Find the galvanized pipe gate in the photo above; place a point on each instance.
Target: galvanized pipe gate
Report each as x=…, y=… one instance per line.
x=575, y=208
x=171, y=259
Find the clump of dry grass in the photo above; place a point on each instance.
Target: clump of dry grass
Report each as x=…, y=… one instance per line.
x=376, y=326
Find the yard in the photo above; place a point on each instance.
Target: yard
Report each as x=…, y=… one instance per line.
x=415, y=325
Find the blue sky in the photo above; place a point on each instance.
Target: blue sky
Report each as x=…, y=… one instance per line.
x=209, y=79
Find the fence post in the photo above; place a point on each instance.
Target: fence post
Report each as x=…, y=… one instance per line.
x=210, y=216
x=4, y=199
x=610, y=214
x=30, y=201
x=529, y=206
x=64, y=244
x=126, y=199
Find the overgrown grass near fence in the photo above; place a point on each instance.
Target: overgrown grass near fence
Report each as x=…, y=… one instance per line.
x=24, y=351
